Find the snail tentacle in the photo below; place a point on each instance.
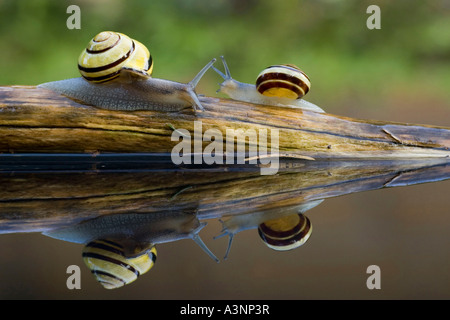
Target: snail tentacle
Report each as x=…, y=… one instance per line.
x=193, y=83
x=226, y=232
x=196, y=237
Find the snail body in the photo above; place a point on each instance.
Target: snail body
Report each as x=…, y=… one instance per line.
x=151, y=94
x=116, y=75
x=280, y=85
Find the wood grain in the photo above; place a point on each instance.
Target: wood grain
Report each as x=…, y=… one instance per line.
x=42, y=201
x=36, y=120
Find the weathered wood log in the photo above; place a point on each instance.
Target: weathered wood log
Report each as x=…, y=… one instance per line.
x=37, y=120
x=42, y=201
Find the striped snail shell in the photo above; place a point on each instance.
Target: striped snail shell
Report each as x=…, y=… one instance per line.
x=110, y=53
x=116, y=75
x=285, y=80
x=113, y=266
x=278, y=85
x=285, y=233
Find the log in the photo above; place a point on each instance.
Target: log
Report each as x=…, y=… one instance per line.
x=36, y=120
x=42, y=200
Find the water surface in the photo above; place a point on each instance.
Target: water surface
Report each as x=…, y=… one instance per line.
x=393, y=215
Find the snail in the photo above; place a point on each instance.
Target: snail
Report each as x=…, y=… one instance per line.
x=278, y=85
x=121, y=247
x=116, y=74
x=281, y=229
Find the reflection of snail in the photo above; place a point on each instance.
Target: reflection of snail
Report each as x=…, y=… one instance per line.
x=116, y=74
x=280, y=85
x=119, y=248
x=281, y=229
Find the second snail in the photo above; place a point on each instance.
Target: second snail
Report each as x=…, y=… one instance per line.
x=278, y=85
x=117, y=75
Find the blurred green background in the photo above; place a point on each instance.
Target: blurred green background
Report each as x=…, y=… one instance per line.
x=398, y=73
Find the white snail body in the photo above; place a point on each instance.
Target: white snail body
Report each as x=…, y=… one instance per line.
x=116, y=74
x=281, y=85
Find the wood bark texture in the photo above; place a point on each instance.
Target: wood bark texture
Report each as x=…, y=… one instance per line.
x=36, y=120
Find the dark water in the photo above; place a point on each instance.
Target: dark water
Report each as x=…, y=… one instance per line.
x=396, y=219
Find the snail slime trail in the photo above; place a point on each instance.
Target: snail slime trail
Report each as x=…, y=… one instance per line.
x=213, y=153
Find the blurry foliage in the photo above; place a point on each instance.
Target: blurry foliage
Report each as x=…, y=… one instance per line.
x=327, y=38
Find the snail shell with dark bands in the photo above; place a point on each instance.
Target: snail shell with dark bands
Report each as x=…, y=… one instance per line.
x=110, y=53
x=286, y=81
x=111, y=267
x=285, y=233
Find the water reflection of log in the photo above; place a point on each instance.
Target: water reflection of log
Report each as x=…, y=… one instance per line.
x=121, y=209
x=37, y=201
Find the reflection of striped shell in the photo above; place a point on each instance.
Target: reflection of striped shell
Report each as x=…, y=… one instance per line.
x=285, y=80
x=109, y=53
x=285, y=233
x=110, y=266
